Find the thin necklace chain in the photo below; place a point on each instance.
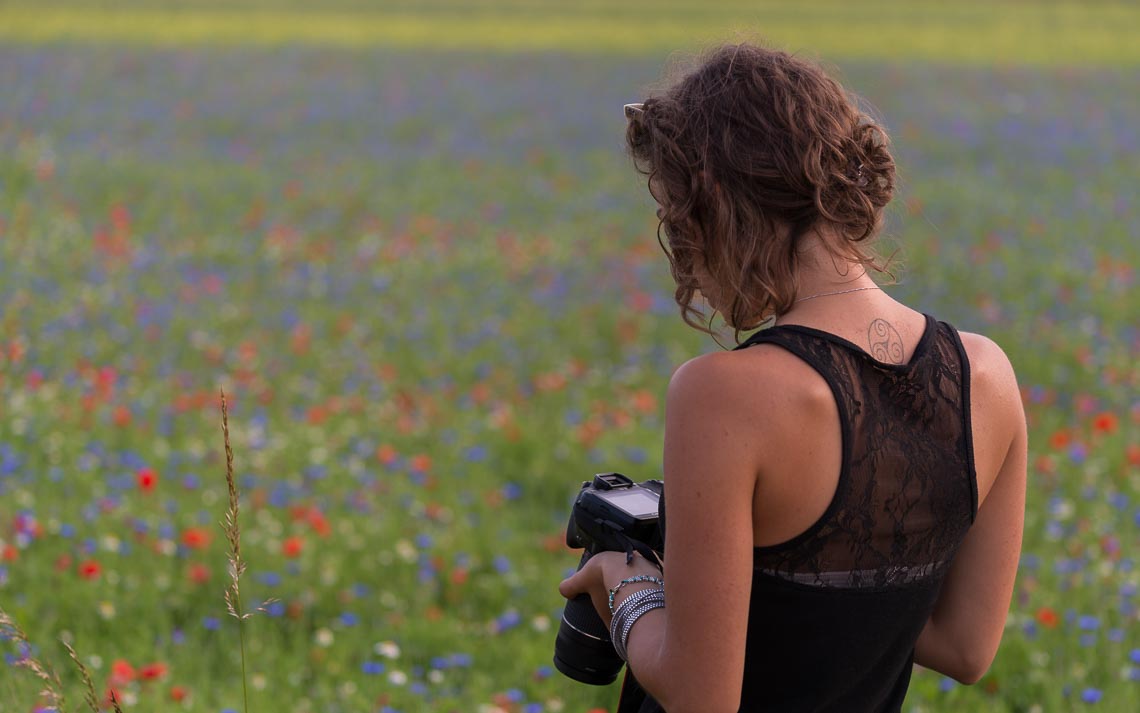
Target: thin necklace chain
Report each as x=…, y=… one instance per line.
x=837, y=292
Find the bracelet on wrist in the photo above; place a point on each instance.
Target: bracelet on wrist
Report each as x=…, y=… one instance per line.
x=633, y=580
x=627, y=614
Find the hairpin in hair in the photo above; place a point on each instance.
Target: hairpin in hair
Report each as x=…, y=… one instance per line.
x=634, y=110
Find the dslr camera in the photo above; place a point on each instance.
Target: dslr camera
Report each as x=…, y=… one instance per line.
x=611, y=514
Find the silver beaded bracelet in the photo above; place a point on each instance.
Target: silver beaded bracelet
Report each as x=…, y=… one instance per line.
x=622, y=642
x=627, y=605
x=634, y=615
x=636, y=598
x=627, y=614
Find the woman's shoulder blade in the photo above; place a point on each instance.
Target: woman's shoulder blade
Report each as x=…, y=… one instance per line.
x=760, y=365
x=764, y=383
x=990, y=367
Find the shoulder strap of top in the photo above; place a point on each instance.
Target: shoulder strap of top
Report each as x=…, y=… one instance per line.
x=790, y=340
x=967, y=425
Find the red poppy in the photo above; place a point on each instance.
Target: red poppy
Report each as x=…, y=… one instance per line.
x=1106, y=422
x=152, y=671
x=90, y=569
x=480, y=393
x=1047, y=617
x=178, y=693
x=386, y=454
x=34, y=379
x=1059, y=439
x=644, y=401
x=640, y=301
x=196, y=538
x=301, y=338
x=292, y=546
x=552, y=381
x=421, y=462
x=8, y=553
x=198, y=573
x=120, y=217
x=122, y=672
x=147, y=479
x=318, y=522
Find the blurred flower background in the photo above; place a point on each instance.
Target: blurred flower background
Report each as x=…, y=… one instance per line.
x=404, y=238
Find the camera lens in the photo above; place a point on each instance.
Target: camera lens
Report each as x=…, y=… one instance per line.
x=583, y=650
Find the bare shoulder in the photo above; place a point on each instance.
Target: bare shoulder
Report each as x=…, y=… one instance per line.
x=763, y=386
x=762, y=371
x=998, y=417
x=990, y=369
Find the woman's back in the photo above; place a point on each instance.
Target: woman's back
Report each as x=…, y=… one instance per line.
x=835, y=610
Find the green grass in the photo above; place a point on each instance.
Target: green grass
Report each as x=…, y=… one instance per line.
x=1049, y=33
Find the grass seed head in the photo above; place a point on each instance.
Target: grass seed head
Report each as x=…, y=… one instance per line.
x=52, y=692
x=89, y=695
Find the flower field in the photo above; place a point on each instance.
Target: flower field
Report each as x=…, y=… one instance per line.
x=428, y=282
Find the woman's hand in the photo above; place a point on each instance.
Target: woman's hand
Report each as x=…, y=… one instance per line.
x=603, y=571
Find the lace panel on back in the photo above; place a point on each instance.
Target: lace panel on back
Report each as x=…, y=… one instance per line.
x=907, y=493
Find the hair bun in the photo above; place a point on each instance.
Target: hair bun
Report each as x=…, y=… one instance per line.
x=855, y=197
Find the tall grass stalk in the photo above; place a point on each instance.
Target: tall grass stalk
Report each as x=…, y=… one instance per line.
x=233, y=536
x=89, y=695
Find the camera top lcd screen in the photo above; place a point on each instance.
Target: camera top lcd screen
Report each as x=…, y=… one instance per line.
x=638, y=502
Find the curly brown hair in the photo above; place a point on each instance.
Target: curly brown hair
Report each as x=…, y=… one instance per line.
x=747, y=154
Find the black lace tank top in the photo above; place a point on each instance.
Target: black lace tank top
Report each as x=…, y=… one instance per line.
x=836, y=610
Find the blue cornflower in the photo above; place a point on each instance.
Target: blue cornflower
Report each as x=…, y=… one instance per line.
x=1088, y=623
x=508, y=620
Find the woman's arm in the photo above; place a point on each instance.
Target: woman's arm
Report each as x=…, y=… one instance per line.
x=961, y=637
x=690, y=655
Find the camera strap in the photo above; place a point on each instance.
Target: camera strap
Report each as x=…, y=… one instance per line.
x=632, y=695
x=641, y=548
x=634, y=699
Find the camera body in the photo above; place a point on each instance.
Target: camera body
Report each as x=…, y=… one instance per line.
x=612, y=508
x=611, y=514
